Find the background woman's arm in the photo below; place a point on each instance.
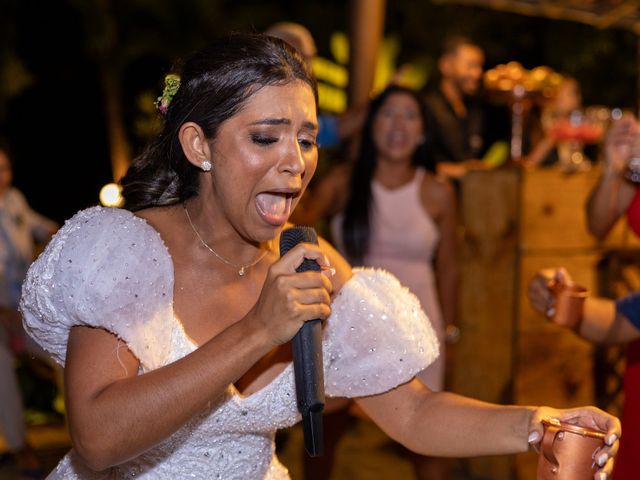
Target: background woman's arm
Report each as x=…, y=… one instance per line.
x=612, y=195
x=607, y=202
x=446, y=261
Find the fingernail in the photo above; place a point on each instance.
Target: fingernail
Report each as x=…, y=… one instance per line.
x=329, y=271
x=611, y=439
x=602, y=476
x=533, y=437
x=602, y=459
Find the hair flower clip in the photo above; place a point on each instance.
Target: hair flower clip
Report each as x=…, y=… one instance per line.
x=171, y=86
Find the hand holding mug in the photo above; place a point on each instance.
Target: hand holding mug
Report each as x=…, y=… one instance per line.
x=553, y=292
x=574, y=444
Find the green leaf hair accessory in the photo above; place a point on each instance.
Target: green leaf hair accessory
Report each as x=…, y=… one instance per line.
x=171, y=86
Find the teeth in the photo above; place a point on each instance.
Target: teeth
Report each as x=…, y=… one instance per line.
x=272, y=203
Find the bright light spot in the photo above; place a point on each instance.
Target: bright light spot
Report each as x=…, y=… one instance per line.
x=110, y=195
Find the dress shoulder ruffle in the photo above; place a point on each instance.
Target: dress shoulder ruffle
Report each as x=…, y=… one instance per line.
x=377, y=336
x=105, y=268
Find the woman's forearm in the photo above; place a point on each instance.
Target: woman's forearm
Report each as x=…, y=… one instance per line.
x=448, y=425
x=129, y=416
x=446, y=261
x=447, y=281
x=607, y=203
x=457, y=426
x=597, y=319
x=603, y=324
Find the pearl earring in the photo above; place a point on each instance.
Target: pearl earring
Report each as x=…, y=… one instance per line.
x=206, y=165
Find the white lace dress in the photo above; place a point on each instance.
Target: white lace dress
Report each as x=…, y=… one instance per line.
x=108, y=268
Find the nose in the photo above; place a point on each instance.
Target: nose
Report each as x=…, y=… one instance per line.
x=292, y=160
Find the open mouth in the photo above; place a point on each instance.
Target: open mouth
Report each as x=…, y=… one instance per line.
x=397, y=139
x=274, y=207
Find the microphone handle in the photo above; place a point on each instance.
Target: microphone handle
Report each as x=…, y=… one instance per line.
x=309, y=377
x=307, y=355
x=307, y=366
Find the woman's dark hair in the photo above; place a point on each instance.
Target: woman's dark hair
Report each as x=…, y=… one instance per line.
x=355, y=226
x=215, y=84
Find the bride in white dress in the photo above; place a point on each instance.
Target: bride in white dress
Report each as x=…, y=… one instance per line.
x=173, y=315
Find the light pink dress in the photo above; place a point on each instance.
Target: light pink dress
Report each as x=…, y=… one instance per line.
x=403, y=241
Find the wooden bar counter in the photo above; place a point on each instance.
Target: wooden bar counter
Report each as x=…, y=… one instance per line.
x=513, y=223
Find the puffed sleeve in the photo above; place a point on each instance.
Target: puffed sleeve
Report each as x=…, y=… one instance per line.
x=376, y=338
x=105, y=268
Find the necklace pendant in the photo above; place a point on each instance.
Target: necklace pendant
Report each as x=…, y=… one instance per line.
x=241, y=272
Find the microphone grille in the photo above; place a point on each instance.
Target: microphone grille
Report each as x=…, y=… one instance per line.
x=290, y=237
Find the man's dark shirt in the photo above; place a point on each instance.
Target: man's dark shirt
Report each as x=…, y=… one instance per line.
x=453, y=139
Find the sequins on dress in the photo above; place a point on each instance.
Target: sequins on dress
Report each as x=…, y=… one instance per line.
x=109, y=269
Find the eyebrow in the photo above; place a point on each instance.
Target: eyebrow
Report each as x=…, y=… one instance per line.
x=283, y=121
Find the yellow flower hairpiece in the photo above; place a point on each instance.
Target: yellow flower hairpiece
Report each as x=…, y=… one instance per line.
x=171, y=86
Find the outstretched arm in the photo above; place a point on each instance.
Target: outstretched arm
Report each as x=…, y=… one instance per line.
x=448, y=425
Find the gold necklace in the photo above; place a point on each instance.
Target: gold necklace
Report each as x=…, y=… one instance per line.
x=242, y=269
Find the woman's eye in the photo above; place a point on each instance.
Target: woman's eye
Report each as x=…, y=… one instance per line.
x=263, y=139
x=307, y=144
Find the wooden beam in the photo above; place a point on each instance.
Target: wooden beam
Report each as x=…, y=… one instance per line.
x=618, y=13
x=621, y=16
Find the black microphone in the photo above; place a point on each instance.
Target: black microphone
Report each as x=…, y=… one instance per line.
x=307, y=354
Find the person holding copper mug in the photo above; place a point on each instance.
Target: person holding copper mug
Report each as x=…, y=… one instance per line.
x=600, y=320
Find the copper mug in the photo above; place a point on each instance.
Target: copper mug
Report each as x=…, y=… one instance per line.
x=569, y=452
x=569, y=304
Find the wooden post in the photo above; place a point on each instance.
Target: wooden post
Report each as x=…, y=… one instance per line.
x=483, y=359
